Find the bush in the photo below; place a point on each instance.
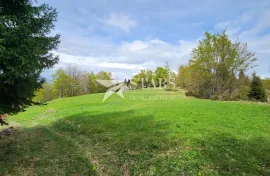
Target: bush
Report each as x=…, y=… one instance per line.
x=257, y=91
x=168, y=89
x=243, y=93
x=190, y=93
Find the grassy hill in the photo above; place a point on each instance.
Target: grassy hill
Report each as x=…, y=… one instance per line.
x=138, y=136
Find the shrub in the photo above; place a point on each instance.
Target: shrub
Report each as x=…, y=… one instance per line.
x=257, y=91
x=243, y=93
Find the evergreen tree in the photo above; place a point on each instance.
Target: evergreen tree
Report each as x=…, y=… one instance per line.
x=24, y=51
x=257, y=91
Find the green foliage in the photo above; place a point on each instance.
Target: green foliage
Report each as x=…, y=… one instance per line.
x=149, y=76
x=44, y=94
x=144, y=79
x=171, y=83
x=257, y=91
x=102, y=75
x=39, y=95
x=70, y=82
x=266, y=83
x=183, y=76
x=92, y=84
x=161, y=76
x=243, y=79
x=61, y=84
x=25, y=51
x=243, y=93
x=139, y=79
x=243, y=86
x=214, y=66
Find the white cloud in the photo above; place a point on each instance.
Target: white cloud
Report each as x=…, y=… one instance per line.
x=263, y=23
x=126, y=58
x=223, y=24
x=134, y=46
x=120, y=21
x=89, y=41
x=234, y=26
x=257, y=41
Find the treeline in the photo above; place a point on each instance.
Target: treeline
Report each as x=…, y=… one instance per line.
x=161, y=77
x=71, y=81
x=217, y=70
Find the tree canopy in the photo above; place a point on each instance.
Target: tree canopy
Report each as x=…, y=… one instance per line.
x=215, y=65
x=71, y=81
x=25, y=51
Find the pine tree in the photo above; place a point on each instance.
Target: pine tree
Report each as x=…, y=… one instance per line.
x=25, y=51
x=257, y=91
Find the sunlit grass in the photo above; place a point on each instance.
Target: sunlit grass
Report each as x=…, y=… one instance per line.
x=143, y=136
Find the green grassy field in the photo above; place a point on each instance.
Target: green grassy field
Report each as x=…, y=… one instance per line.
x=184, y=136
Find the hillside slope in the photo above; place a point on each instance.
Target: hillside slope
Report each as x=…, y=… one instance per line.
x=138, y=135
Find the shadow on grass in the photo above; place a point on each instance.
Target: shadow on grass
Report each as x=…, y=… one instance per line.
x=39, y=151
x=227, y=155
x=120, y=142
x=84, y=144
x=127, y=143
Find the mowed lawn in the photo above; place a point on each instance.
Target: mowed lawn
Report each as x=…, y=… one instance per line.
x=177, y=136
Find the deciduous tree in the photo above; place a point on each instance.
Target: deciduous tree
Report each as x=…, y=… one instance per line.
x=215, y=64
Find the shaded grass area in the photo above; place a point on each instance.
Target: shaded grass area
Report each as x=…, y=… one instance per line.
x=39, y=151
x=82, y=136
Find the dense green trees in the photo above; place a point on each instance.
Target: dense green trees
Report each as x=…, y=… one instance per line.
x=182, y=76
x=71, y=82
x=143, y=79
x=215, y=65
x=92, y=84
x=44, y=94
x=217, y=70
x=161, y=76
x=25, y=51
x=266, y=83
x=243, y=86
x=62, y=83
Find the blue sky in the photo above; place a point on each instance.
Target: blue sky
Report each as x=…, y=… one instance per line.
x=124, y=37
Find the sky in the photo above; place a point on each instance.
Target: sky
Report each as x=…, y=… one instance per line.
x=124, y=37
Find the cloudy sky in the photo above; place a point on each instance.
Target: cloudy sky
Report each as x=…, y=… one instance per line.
x=123, y=37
